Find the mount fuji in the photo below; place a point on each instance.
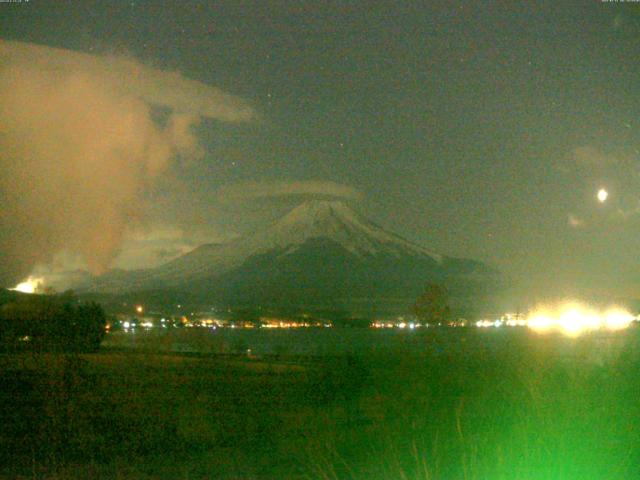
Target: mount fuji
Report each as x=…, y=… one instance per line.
x=321, y=253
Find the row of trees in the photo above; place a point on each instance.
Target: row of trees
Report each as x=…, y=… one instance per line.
x=62, y=322
x=50, y=322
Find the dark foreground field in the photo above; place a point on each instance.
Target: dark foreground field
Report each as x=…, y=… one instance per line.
x=512, y=406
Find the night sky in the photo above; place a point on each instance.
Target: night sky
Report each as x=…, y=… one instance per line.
x=481, y=130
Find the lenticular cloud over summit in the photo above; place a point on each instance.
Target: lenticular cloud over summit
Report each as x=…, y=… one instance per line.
x=79, y=145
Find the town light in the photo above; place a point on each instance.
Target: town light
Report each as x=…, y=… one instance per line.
x=572, y=319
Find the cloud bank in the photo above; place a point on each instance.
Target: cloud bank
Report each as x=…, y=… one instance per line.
x=255, y=190
x=79, y=145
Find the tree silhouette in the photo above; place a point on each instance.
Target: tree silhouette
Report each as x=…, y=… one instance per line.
x=51, y=322
x=432, y=306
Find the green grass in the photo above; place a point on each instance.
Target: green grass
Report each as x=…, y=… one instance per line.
x=528, y=409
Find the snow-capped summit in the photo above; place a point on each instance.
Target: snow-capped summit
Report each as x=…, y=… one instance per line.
x=335, y=221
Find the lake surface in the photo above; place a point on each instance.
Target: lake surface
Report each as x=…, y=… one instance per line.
x=457, y=342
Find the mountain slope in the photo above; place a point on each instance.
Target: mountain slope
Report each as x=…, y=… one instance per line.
x=319, y=219
x=321, y=251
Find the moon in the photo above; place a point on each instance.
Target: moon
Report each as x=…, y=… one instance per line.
x=602, y=195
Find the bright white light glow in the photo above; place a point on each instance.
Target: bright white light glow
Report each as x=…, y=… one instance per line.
x=617, y=319
x=484, y=323
x=30, y=285
x=573, y=319
x=602, y=195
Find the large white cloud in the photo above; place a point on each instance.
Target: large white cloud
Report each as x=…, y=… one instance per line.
x=131, y=78
x=79, y=145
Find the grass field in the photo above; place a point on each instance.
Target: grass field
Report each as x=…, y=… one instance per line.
x=527, y=408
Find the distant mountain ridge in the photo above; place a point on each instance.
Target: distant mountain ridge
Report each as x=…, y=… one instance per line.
x=321, y=251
